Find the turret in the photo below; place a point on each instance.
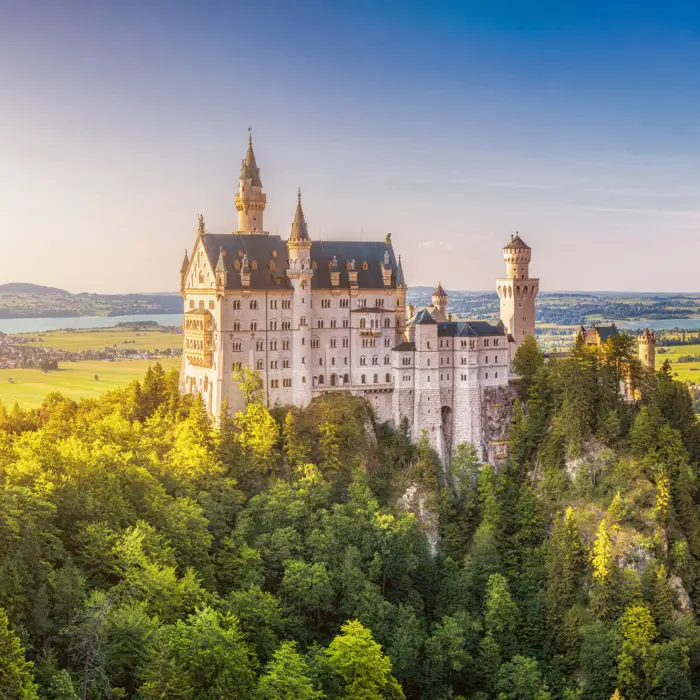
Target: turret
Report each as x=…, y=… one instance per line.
x=402, y=311
x=440, y=300
x=647, y=349
x=517, y=256
x=221, y=274
x=300, y=274
x=250, y=198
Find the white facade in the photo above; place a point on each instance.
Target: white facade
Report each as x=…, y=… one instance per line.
x=314, y=317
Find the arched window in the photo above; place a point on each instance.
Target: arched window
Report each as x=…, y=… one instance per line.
x=387, y=323
x=363, y=379
x=388, y=378
x=376, y=379
x=320, y=379
x=334, y=379
x=253, y=325
x=387, y=360
x=346, y=379
x=334, y=342
x=363, y=323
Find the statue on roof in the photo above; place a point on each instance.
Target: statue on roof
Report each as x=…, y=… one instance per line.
x=200, y=229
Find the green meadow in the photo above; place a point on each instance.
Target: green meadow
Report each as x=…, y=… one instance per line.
x=96, y=339
x=76, y=380
x=684, y=371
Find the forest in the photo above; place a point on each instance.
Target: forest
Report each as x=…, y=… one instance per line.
x=146, y=554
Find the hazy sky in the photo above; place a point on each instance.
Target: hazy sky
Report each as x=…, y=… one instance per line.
x=449, y=124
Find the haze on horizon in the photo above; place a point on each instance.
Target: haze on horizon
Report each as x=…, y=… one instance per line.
x=451, y=125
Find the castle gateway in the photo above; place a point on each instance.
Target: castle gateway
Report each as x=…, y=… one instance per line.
x=313, y=317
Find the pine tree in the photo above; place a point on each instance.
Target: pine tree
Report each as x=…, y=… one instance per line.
x=16, y=680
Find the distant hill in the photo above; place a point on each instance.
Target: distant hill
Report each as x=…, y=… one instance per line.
x=28, y=288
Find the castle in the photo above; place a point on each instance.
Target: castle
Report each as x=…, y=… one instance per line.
x=313, y=317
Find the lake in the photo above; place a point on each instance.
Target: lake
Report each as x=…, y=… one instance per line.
x=32, y=325
x=662, y=324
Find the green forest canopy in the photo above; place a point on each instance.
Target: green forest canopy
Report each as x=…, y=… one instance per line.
x=146, y=554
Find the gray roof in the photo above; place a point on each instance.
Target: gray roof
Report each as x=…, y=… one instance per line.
x=469, y=328
x=517, y=243
x=439, y=291
x=606, y=332
x=423, y=316
x=271, y=269
x=405, y=346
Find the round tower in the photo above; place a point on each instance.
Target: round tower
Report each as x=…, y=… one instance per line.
x=517, y=290
x=250, y=198
x=517, y=255
x=647, y=349
x=440, y=300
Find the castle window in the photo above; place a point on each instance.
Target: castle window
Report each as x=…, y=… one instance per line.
x=363, y=323
x=361, y=303
x=345, y=361
x=286, y=382
x=346, y=342
x=375, y=360
x=344, y=303
x=406, y=360
x=320, y=362
x=325, y=303
x=211, y=304
x=388, y=378
x=320, y=379
x=428, y=366
x=285, y=345
x=201, y=278
x=314, y=342
x=259, y=364
x=387, y=342
x=441, y=377
x=472, y=344
x=428, y=382
x=236, y=325
x=303, y=360
x=363, y=360
x=273, y=345
x=346, y=323
x=286, y=304
x=376, y=379
x=333, y=323
x=346, y=379
x=495, y=342
x=320, y=323
x=486, y=359
x=191, y=303
x=253, y=325
x=427, y=345
x=334, y=342
x=286, y=325
x=495, y=359
x=237, y=305
x=303, y=380
x=387, y=323
x=486, y=342
x=387, y=360
x=302, y=321
x=496, y=375
x=273, y=325
x=333, y=361
x=236, y=366
x=441, y=343
x=303, y=341
x=201, y=304
x=236, y=347
x=273, y=364
x=285, y=364
x=253, y=305
x=273, y=303
x=487, y=375
x=259, y=345
x=363, y=379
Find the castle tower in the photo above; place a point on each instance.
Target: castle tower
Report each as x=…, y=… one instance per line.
x=300, y=273
x=401, y=308
x=647, y=349
x=250, y=198
x=440, y=300
x=517, y=291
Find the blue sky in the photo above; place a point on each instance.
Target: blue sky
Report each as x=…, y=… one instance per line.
x=449, y=124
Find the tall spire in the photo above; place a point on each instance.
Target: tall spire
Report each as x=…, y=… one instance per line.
x=300, y=231
x=249, y=168
x=250, y=198
x=185, y=264
x=400, y=280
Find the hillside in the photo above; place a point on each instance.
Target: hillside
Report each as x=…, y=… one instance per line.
x=28, y=288
x=314, y=554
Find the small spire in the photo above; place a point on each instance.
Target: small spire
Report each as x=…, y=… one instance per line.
x=185, y=263
x=400, y=281
x=220, y=264
x=249, y=168
x=300, y=230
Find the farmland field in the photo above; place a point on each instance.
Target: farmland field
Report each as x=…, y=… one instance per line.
x=96, y=339
x=75, y=380
x=684, y=371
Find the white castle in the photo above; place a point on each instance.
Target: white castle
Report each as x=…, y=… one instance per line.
x=313, y=317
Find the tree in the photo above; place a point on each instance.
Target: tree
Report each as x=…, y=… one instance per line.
x=603, y=563
x=16, y=680
x=520, y=679
x=501, y=614
x=329, y=445
x=359, y=662
x=250, y=383
x=296, y=450
x=286, y=677
x=257, y=436
x=527, y=362
x=638, y=632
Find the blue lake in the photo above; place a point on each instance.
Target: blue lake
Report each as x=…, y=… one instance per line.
x=662, y=324
x=31, y=325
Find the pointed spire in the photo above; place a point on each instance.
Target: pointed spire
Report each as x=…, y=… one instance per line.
x=400, y=281
x=185, y=264
x=439, y=291
x=221, y=263
x=300, y=231
x=249, y=168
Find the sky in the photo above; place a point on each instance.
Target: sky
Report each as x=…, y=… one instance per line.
x=449, y=124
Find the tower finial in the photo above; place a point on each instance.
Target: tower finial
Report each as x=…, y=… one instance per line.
x=299, y=195
x=250, y=135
